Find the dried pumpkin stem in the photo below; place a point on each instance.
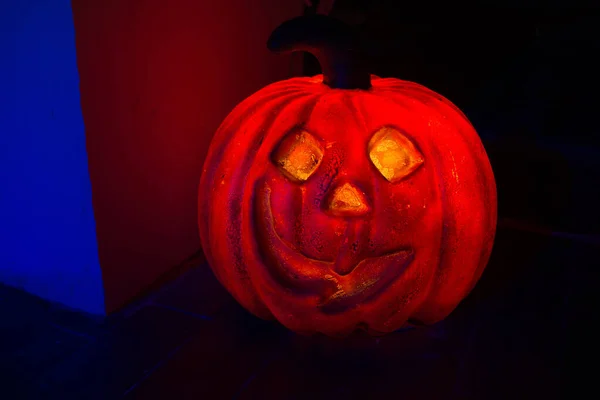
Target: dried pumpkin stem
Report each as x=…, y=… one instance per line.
x=332, y=42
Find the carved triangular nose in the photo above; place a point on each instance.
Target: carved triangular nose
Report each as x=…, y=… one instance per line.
x=347, y=200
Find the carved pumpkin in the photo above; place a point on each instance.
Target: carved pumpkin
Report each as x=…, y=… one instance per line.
x=346, y=200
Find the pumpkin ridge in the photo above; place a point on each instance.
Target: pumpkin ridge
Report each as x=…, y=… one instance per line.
x=215, y=154
x=399, y=100
x=430, y=93
x=484, y=170
x=465, y=132
x=233, y=217
x=247, y=224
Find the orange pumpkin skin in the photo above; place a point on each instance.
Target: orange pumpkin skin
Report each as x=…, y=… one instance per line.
x=411, y=252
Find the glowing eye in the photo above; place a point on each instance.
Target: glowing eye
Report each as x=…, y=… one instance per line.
x=394, y=155
x=298, y=155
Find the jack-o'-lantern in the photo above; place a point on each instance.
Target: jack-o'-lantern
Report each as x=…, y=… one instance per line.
x=345, y=200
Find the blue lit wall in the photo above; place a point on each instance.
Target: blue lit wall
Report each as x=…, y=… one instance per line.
x=47, y=229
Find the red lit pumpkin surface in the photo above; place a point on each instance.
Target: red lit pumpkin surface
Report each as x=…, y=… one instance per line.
x=333, y=209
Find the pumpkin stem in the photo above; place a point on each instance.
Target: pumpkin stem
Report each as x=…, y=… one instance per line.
x=331, y=41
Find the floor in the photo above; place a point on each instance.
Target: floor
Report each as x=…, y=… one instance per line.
x=189, y=340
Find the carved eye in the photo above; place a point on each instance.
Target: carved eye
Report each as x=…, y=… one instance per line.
x=394, y=155
x=298, y=155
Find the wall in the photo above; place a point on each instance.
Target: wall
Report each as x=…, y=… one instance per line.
x=47, y=233
x=156, y=81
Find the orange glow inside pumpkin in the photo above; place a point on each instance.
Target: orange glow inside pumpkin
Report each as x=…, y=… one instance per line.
x=394, y=155
x=299, y=155
x=348, y=199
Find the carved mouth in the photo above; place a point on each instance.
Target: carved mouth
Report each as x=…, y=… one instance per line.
x=338, y=292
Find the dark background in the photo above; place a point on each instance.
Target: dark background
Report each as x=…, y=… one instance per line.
x=527, y=77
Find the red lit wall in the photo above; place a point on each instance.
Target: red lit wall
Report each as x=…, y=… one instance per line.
x=156, y=79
